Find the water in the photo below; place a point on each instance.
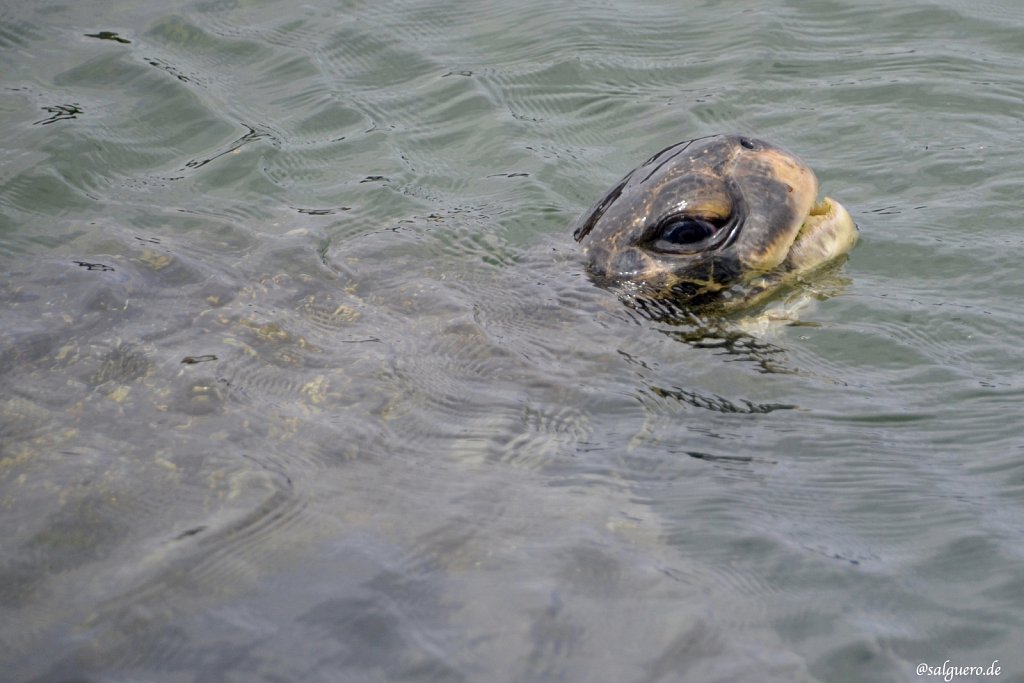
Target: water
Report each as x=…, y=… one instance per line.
x=302, y=379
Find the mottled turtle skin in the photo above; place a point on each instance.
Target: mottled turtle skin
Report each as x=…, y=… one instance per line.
x=712, y=218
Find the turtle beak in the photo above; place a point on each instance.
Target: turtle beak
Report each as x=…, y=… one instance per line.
x=826, y=233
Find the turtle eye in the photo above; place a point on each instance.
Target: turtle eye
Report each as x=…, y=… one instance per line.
x=686, y=230
x=690, y=234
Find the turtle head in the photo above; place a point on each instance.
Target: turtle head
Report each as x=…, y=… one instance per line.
x=712, y=215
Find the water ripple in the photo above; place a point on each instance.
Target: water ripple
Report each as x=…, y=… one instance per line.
x=298, y=354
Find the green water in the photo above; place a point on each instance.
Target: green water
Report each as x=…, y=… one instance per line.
x=301, y=377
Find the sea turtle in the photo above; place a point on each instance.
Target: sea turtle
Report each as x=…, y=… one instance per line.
x=723, y=219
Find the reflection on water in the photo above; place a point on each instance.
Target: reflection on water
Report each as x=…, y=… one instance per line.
x=303, y=378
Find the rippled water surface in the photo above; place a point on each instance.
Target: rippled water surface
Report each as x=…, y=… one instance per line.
x=303, y=380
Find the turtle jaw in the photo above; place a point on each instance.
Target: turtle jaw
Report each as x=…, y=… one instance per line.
x=827, y=232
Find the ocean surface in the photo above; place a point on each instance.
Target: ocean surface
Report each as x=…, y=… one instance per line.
x=302, y=377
